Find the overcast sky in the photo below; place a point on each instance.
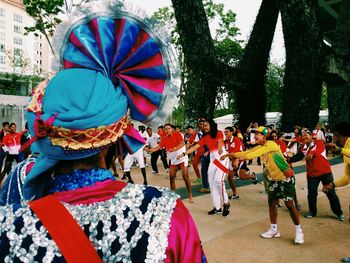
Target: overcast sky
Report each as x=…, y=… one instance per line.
x=246, y=11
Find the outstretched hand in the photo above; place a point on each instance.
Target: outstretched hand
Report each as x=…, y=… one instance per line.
x=327, y=187
x=333, y=147
x=223, y=157
x=179, y=156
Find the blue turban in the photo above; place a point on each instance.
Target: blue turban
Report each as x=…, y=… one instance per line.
x=76, y=99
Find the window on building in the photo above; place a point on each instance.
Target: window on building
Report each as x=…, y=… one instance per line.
x=2, y=37
x=2, y=60
x=18, y=18
x=2, y=12
x=2, y=24
x=17, y=52
x=2, y=48
x=18, y=41
x=17, y=29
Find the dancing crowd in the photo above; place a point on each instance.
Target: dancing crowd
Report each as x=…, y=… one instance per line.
x=64, y=200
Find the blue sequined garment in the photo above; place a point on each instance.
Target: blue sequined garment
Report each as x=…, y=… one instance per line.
x=78, y=179
x=133, y=226
x=11, y=192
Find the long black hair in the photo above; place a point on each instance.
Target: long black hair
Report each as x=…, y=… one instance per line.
x=213, y=128
x=343, y=128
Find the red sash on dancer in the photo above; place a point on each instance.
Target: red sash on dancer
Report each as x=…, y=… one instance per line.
x=64, y=230
x=220, y=166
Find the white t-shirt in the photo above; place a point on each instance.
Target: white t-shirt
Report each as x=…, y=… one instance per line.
x=153, y=140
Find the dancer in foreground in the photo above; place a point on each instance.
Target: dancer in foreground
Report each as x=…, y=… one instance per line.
x=281, y=181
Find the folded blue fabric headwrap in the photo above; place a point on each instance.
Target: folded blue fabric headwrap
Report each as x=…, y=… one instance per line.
x=81, y=99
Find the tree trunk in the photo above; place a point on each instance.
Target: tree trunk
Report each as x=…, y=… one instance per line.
x=338, y=77
x=200, y=59
x=339, y=99
x=304, y=63
x=250, y=88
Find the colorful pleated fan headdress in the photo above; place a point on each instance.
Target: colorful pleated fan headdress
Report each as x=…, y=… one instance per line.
x=111, y=64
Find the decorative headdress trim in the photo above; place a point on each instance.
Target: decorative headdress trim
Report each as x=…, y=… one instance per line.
x=36, y=103
x=87, y=139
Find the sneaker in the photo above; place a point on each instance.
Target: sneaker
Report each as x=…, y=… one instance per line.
x=299, y=208
x=214, y=211
x=233, y=197
x=270, y=234
x=204, y=190
x=308, y=215
x=197, y=181
x=235, y=177
x=130, y=182
x=299, y=237
x=345, y=259
x=226, y=209
x=124, y=177
x=154, y=172
x=279, y=205
x=145, y=183
x=255, y=179
x=340, y=217
x=305, y=187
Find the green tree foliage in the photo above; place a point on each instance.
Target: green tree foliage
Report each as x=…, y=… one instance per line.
x=228, y=52
x=274, y=86
x=18, y=81
x=44, y=13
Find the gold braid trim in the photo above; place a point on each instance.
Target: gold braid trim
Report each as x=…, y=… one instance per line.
x=35, y=104
x=87, y=139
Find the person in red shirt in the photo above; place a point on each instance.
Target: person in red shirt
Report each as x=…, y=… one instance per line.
x=174, y=144
x=213, y=139
x=197, y=157
x=318, y=170
x=11, y=144
x=234, y=144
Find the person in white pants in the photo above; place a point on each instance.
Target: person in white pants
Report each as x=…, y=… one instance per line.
x=218, y=169
x=129, y=160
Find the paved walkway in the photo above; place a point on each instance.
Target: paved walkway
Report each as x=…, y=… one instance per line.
x=235, y=238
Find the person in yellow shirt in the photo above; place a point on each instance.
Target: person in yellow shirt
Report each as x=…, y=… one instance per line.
x=341, y=137
x=281, y=180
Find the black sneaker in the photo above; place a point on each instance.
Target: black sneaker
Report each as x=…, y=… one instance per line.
x=308, y=215
x=233, y=197
x=255, y=179
x=214, y=211
x=226, y=209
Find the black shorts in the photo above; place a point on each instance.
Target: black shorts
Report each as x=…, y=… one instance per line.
x=12, y=157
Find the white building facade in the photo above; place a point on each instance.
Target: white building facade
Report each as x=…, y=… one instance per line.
x=13, y=42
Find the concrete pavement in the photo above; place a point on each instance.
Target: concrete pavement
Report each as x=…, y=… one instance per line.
x=236, y=238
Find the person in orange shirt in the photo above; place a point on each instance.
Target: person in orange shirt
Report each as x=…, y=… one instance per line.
x=174, y=144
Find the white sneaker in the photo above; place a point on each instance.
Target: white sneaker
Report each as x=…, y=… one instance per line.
x=270, y=234
x=299, y=237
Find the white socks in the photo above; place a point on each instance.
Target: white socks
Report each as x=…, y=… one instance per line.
x=298, y=228
x=274, y=227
